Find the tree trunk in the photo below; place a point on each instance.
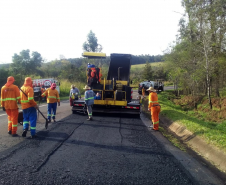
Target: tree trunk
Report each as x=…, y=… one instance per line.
x=208, y=90
x=214, y=49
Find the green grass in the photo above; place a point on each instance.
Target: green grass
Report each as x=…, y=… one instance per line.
x=65, y=87
x=176, y=142
x=168, y=83
x=141, y=66
x=213, y=133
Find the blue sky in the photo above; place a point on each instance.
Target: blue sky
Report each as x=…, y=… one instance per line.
x=60, y=27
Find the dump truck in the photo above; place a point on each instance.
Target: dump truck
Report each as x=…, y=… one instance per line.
x=115, y=90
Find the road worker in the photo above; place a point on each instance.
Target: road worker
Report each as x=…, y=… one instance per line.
x=89, y=101
x=97, y=97
x=74, y=94
x=143, y=90
x=10, y=95
x=42, y=91
x=154, y=107
x=29, y=107
x=52, y=99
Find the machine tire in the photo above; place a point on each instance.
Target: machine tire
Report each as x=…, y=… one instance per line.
x=74, y=112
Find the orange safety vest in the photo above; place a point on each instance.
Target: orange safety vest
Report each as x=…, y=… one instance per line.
x=27, y=101
x=143, y=90
x=52, y=95
x=42, y=90
x=9, y=96
x=153, y=99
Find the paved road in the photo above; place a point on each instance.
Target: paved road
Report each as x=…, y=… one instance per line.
x=6, y=141
x=108, y=150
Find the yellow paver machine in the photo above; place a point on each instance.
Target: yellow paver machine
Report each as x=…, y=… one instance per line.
x=115, y=91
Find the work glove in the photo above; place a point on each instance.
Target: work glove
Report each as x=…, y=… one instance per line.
x=36, y=106
x=3, y=108
x=58, y=103
x=148, y=109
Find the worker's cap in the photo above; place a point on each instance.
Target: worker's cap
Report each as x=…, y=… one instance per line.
x=151, y=89
x=10, y=79
x=72, y=86
x=53, y=85
x=86, y=87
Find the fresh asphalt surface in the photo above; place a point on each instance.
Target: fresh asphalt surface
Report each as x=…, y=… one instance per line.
x=107, y=150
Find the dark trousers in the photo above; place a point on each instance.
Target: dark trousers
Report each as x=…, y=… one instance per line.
x=51, y=110
x=30, y=114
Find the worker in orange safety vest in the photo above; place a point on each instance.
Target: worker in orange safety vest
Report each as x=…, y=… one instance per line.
x=10, y=95
x=29, y=107
x=52, y=99
x=143, y=90
x=154, y=107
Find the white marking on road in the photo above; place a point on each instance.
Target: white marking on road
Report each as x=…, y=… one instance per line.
x=43, y=105
x=2, y=114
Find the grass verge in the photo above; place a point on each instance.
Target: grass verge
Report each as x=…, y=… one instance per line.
x=175, y=141
x=65, y=87
x=213, y=133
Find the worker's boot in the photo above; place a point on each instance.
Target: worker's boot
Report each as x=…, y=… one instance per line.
x=24, y=133
x=49, y=120
x=34, y=136
x=54, y=120
x=10, y=132
x=90, y=119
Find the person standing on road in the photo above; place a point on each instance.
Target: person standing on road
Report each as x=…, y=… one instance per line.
x=42, y=91
x=29, y=107
x=89, y=101
x=143, y=90
x=52, y=99
x=74, y=93
x=10, y=94
x=154, y=107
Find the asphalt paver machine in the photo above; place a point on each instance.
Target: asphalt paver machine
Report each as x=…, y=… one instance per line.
x=115, y=91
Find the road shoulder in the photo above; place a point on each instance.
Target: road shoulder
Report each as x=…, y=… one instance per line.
x=197, y=171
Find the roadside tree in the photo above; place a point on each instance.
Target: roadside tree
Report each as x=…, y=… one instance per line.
x=91, y=45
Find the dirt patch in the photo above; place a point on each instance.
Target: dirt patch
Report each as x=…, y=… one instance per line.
x=188, y=102
x=200, y=105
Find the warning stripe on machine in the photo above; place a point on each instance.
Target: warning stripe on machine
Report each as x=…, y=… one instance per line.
x=78, y=105
x=129, y=107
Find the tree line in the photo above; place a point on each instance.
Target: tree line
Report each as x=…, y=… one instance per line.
x=72, y=69
x=197, y=60
x=32, y=64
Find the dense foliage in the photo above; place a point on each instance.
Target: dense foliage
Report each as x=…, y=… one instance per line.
x=142, y=59
x=197, y=61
